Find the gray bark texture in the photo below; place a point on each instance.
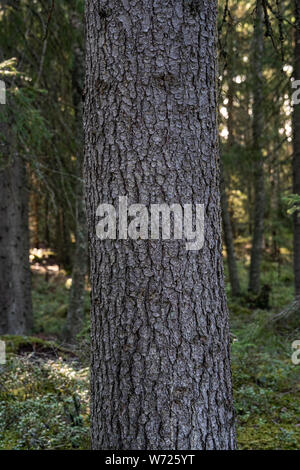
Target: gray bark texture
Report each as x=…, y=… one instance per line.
x=259, y=184
x=160, y=372
x=296, y=159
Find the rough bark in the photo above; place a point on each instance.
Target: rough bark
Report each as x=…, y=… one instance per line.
x=296, y=158
x=160, y=372
x=258, y=164
x=75, y=316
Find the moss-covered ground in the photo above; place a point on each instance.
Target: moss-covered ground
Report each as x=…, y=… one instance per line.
x=44, y=387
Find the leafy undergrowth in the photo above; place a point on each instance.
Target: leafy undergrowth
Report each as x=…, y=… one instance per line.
x=43, y=403
x=266, y=389
x=44, y=387
x=266, y=382
x=26, y=344
x=50, y=299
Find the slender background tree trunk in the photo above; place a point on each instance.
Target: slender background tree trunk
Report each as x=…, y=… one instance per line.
x=160, y=370
x=75, y=316
x=227, y=226
x=259, y=184
x=228, y=238
x=15, y=278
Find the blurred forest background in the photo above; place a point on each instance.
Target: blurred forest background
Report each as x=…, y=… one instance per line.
x=44, y=385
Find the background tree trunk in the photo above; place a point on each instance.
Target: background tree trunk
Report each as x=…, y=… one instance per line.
x=15, y=278
x=259, y=202
x=75, y=316
x=160, y=371
x=228, y=238
x=227, y=226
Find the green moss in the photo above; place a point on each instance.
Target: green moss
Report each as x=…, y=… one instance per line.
x=50, y=304
x=37, y=408
x=16, y=344
x=43, y=405
x=266, y=385
x=25, y=344
x=9, y=440
x=261, y=433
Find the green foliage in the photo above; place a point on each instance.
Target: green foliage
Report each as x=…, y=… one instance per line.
x=50, y=303
x=44, y=390
x=267, y=398
x=48, y=297
x=29, y=124
x=266, y=384
x=40, y=108
x=16, y=344
x=27, y=127
x=293, y=203
x=43, y=404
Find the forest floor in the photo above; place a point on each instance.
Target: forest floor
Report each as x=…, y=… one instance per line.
x=44, y=387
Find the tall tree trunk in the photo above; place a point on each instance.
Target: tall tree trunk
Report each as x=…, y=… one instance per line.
x=35, y=205
x=75, y=316
x=259, y=203
x=292, y=311
x=160, y=371
x=63, y=240
x=296, y=144
x=15, y=278
x=46, y=219
x=227, y=226
x=228, y=238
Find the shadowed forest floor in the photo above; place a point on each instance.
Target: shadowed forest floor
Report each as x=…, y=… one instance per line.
x=44, y=386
